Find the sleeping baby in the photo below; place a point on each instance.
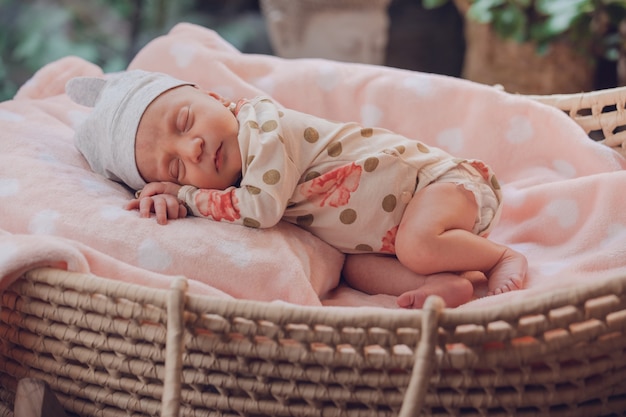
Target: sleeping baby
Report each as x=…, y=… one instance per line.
x=410, y=218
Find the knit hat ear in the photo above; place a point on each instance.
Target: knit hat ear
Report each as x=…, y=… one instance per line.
x=85, y=90
x=107, y=136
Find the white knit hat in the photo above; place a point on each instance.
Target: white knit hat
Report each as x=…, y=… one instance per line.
x=107, y=137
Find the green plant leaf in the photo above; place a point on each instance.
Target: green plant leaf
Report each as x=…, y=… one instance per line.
x=557, y=7
x=511, y=23
x=28, y=46
x=433, y=4
x=553, y=26
x=481, y=11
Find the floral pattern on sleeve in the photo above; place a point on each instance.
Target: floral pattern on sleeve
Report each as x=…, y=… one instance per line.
x=334, y=187
x=219, y=205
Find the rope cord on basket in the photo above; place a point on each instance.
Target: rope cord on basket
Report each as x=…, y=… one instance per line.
x=170, y=402
x=424, y=358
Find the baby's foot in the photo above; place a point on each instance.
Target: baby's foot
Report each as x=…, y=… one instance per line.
x=453, y=289
x=508, y=274
x=413, y=299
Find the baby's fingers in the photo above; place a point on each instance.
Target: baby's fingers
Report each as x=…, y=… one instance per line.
x=146, y=205
x=182, y=211
x=132, y=204
x=166, y=207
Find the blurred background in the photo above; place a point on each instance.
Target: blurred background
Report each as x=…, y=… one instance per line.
x=528, y=46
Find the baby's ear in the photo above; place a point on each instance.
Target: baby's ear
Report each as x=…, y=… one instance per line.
x=85, y=90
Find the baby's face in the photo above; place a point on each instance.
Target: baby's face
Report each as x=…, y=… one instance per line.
x=188, y=137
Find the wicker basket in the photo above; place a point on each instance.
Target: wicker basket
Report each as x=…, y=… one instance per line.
x=601, y=113
x=112, y=349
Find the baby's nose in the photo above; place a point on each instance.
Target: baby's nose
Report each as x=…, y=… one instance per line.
x=193, y=149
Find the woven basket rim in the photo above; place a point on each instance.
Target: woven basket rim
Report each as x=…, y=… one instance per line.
x=284, y=313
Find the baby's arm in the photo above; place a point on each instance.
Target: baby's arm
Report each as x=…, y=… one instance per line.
x=235, y=205
x=248, y=205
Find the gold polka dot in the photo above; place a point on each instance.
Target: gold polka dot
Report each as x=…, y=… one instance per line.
x=280, y=137
x=269, y=125
x=305, y=220
x=348, y=216
x=281, y=113
x=253, y=190
x=364, y=248
x=253, y=124
x=251, y=223
x=370, y=164
x=422, y=148
x=311, y=175
x=250, y=159
x=389, y=203
x=494, y=183
x=400, y=149
x=367, y=132
x=311, y=135
x=335, y=149
x=271, y=177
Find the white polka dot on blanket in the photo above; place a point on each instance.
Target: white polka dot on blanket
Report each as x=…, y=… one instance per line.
x=236, y=253
x=552, y=268
x=420, y=85
x=152, y=256
x=183, y=53
x=565, y=211
x=95, y=187
x=113, y=213
x=370, y=115
x=615, y=236
x=327, y=77
x=225, y=91
x=9, y=187
x=267, y=84
x=451, y=140
x=44, y=222
x=563, y=167
x=520, y=129
x=9, y=116
x=514, y=197
x=48, y=157
x=8, y=252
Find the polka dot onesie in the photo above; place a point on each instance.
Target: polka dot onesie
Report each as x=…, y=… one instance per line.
x=346, y=184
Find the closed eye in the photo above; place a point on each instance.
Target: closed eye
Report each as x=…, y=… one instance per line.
x=183, y=121
x=176, y=169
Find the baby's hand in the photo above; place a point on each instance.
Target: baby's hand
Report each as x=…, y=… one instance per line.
x=165, y=206
x=155, y=188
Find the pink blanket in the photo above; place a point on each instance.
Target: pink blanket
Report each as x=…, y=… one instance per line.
x=562, y=190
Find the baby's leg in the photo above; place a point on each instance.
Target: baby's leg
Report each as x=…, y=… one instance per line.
x=435, y=235
x=379, y=274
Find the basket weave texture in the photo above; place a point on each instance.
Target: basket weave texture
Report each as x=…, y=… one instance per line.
x=601, y=113
x=101, y=345
x=112, y=349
